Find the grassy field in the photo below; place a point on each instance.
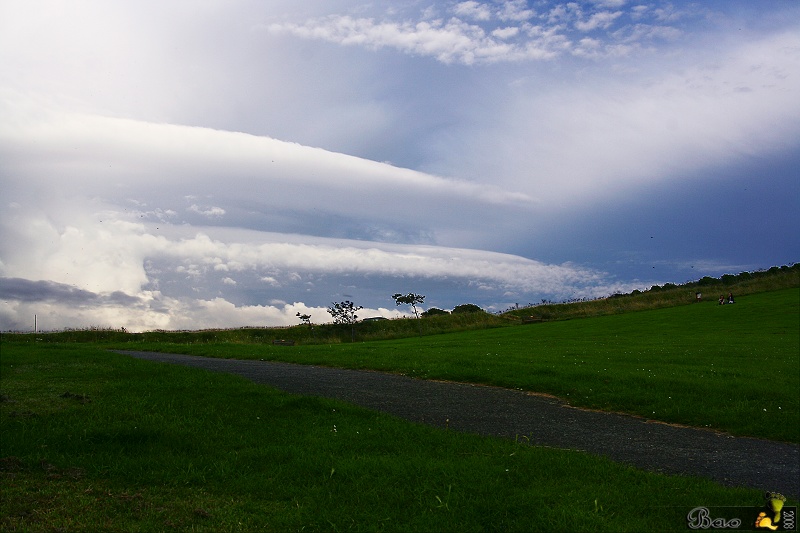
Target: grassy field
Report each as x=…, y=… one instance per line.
x=98, y=441
x=658, y=297
x=734, y=368
x=92, y=440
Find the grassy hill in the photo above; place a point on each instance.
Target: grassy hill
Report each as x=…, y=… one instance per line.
x=657, y=297
x=92, y=440
x=734, y=368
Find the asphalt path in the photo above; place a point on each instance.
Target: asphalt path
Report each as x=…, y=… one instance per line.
x=545, y=421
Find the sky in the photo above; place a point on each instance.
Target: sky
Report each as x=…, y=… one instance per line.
x=199, y=164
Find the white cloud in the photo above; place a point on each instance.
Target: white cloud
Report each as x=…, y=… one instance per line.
x=610, y=3
x=140, y=167
x=641, y=32
x=159, y=312
x=473, y=10
x=291, y=260
x=101, y=235
x=363, y=258
x=505, y=33
x=516, y=10
x=453, y=41
x=483, y=41
x=248, y=253
x=639, y=11
x=603, y=20
x=669, y=13
x=207, y=211
x=273, y=171
x=577, y=144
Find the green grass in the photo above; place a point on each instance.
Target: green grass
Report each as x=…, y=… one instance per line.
x=670, y=295
x=657, y=297
x=734, y=368
x=93, y=440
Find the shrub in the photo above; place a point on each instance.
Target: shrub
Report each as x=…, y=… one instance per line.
x=433, y=311
x=467, y=308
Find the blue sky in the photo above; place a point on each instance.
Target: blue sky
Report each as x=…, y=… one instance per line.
x=188, y=165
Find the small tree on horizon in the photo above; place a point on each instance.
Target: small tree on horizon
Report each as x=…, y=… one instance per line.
x=409, y=299
x=345, y=313
x=304, y=319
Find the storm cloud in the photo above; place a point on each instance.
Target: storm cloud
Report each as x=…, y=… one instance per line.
x=185, y=165
x=50, y=291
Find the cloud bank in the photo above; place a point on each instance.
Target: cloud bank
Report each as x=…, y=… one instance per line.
x=483, y=33
x=136, y=251
x=191, y=165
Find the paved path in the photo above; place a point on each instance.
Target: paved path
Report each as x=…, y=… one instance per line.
x=733, y=461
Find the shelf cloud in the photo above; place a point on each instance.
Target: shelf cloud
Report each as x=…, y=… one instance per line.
x=193, y=165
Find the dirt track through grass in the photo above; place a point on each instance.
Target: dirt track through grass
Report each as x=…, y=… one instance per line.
x=733, y=461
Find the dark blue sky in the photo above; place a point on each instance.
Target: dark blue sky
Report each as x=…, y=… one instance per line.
x=735, y=219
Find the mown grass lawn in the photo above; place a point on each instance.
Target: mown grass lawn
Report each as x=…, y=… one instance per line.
x=92, y=441
x=734, y=368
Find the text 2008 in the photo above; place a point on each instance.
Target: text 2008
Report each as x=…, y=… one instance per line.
x=788, y=520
